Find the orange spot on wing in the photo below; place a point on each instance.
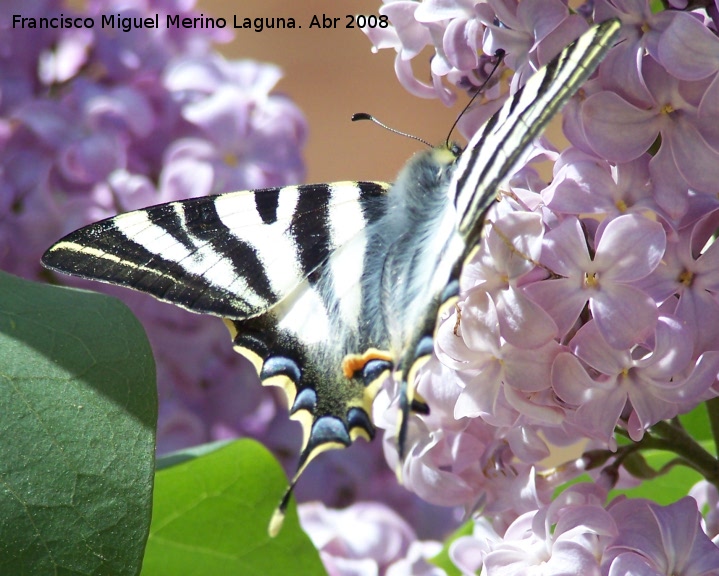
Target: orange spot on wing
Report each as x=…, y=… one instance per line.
x=354, y=362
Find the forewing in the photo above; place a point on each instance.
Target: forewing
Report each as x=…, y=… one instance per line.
x=233, y=255
x=500, y=145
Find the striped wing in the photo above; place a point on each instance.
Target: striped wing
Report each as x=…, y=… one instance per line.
x=282, y=266
x=499, y=146
x=233, y=255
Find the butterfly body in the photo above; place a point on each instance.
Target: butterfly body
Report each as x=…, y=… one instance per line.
x=368, y=306
x=407, y=245
x=330, y=288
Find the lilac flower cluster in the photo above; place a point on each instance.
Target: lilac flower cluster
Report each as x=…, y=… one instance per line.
x=576, y=534
x=592, y=308
x=99, y=121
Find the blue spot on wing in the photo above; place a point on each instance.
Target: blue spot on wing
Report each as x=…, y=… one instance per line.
x=358, y=418
x=306, y=400
x=373, y=369
x=329, y=429
x=278, y=365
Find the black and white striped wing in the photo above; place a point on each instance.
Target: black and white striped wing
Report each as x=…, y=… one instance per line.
x=499, y=146
x=232, y=255
x=282, y=266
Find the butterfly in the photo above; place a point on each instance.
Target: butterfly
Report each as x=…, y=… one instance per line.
x=330, y=288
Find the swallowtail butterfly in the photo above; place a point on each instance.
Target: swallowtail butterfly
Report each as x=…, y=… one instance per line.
x=328, y=288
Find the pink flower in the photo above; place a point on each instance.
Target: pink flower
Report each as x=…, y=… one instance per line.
x=511, y=246
x=531, y=33
x=620, y=129
x=565, y=538
x=707, y=498
x=687, y=279
x=629, y=248
x=248, y=137
x=655, y=539
x=585, y=184
x=367, y=539
x=649, y=377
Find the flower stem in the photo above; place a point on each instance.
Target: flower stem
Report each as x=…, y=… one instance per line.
x=672, y=436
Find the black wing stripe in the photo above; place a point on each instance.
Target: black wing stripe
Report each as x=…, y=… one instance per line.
x=267, y=201
x=214, y=276
x=310, y=229
x=204, y=227
x=206, y=281
x=301, y=239
x=273, y=245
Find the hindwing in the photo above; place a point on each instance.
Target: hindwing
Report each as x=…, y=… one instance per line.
x=283, y=266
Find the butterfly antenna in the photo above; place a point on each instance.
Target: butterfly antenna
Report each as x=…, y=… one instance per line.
x=499, y=56
x=364, y=116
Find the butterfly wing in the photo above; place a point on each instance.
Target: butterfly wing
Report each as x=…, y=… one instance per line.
x=500, y=145
x=232, y=255
x=282, y=266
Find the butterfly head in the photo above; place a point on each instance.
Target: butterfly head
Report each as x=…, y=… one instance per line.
x=454, y=149
x=447, y=153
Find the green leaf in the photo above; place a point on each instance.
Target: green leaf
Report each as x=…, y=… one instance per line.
x=697, y=424
x=211, y=515
x=78, y=406
x=175, y=458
